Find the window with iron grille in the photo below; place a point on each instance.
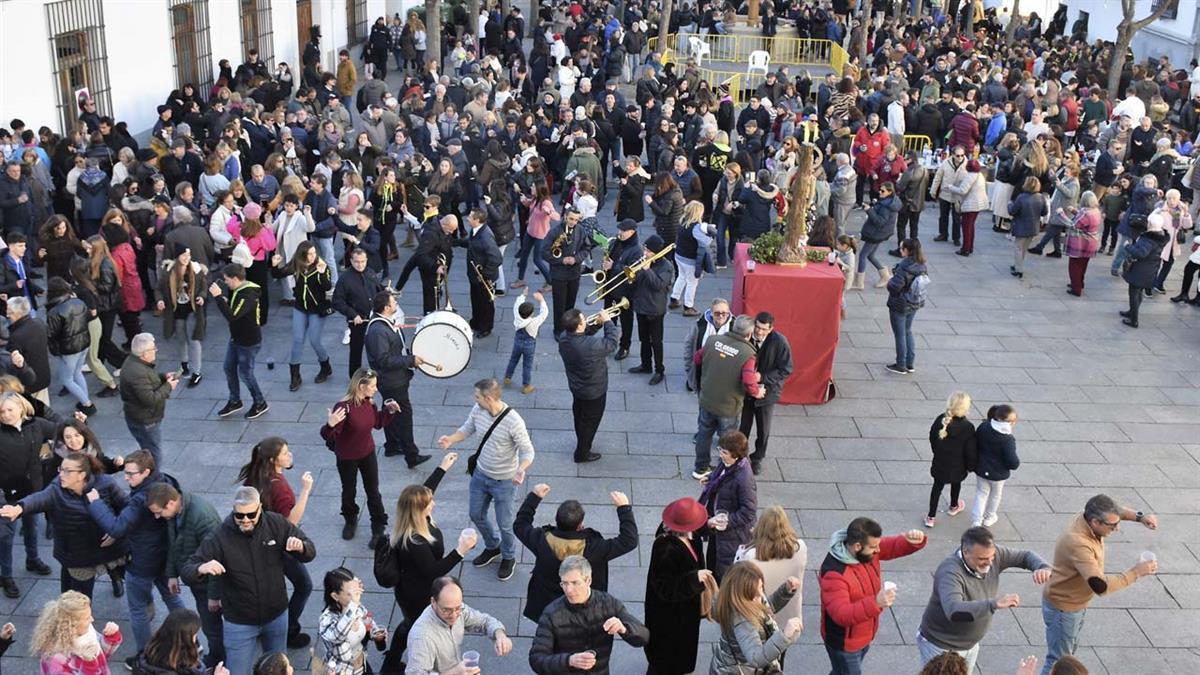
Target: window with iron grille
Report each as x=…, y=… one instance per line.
x=76, y=29
x=256, y=31
x=193, y=46
x=356, y=21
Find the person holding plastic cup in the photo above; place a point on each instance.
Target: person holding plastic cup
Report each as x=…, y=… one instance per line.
x=730, y=495
x=435, y=641
x=416, y=551
x=345, y=626
x=1078, y=573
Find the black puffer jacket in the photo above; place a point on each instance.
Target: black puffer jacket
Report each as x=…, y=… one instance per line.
x=67, y=325
x=28, y=336
x=20, y=467
x=76, y=536
x=651, y=287
x=668, y=212
x=567, y=629
x=108, y=288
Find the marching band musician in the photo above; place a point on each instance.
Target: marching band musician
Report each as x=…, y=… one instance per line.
x=435, y=241
x=393, y=363
x=624, y=250
x=483, y=266
x=585, y=362
x=567, y=240
x=648, y=299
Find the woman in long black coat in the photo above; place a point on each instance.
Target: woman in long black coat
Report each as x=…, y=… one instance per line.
x=730, y=489
x=952, y=439
x=674, y=585
x=1142, y=259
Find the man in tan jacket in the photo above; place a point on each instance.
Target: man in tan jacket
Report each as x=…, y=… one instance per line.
x=347, y=75
x=1078, y=574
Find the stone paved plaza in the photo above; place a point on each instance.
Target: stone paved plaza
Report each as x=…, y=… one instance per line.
x=1104, y=408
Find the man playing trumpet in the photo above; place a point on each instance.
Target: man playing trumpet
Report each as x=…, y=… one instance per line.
x=585, y=361
x=483, y=269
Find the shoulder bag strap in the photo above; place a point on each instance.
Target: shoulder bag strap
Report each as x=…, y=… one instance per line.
x=474, y=459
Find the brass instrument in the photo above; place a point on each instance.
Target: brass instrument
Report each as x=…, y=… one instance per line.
x=613, y=283
x=556, y=248
x=603, y=242
x=613, y=312
x=487, y=285
x=600, y=275
x=441, y=286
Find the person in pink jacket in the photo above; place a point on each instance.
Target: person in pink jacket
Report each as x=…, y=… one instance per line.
x=1180, y=220
x=123, y=242
x=66, y=642
x=1083, y=239
x=541, y=214
x=260, y=239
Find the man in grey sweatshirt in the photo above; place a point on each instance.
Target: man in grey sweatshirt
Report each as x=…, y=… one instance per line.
x=965, y=595
x=504, y=453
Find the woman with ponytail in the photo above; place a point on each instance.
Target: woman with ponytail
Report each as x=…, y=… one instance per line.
x=264, y=472
x=952, y=439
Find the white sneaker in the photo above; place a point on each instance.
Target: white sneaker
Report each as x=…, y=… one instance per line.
x=346, y=337
x=87, y=368
x=990, y=520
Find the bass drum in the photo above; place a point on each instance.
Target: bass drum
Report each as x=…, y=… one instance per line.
x=443, y=340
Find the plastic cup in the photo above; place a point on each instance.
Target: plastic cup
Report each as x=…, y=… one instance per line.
x=722, y=518
x=471, y=659
x=469, y=532
x=889, y=586
x=1148, y=556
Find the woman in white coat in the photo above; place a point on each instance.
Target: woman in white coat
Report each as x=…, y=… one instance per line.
x=972, y=198
x=292, y=226
x=780, y=554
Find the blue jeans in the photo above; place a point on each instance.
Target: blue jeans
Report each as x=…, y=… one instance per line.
x=726, y=239
x=845, y=663
x=534, y=246
x=930, y=651
x=308, y=327
x=902, y=330
x=1062, y=633
x=302, y=587
x=524, y=346
x=8, y=532
x=139, y=593
x=707, y=425
x=239, y=360
x=484, y=491
x=1119, y=258
x=325, y=250
x=148, y=437
x=68, y=372
x=241, y=639
x=866, y=252
x=211, y=625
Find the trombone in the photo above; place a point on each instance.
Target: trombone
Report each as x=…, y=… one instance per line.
x=441, y=285
x=613, y=312
x=487, y=285
x=613, y=283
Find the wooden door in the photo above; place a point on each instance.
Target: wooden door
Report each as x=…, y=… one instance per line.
x=303, y=22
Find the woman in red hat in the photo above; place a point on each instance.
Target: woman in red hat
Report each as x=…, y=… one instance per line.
x=674, y=586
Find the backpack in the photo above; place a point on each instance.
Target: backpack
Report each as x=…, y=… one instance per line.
x=387, y=565
x=918, y=291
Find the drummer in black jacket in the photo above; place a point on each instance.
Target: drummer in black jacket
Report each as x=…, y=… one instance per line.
x=483, y=259
x=352, y=297
x=389, y=356
x=568, y=241
x=437, y=237
x=648, y=300
x=624, y=250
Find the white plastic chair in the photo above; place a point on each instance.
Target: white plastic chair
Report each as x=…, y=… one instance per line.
x=698, y=48
x=759, y=60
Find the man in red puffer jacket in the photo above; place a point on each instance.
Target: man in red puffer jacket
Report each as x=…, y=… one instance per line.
x=852, y=596
x=964, y=129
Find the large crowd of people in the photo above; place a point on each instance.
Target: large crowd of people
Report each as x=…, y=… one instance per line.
x=321, y=193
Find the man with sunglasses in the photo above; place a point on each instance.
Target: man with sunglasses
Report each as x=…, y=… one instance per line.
x=147, y=538
x=247, y=553
x=1078, y=573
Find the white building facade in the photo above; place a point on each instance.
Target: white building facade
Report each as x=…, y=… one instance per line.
x=129, y=54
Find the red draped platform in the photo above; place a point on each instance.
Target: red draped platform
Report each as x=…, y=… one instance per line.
x=806, y=302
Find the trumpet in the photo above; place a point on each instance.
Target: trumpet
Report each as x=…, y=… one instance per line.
x=487, y=285
x=613, y=312
x=441, y=286
x=611, y=284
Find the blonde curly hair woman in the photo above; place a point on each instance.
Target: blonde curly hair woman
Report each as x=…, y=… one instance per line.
x=67, y=643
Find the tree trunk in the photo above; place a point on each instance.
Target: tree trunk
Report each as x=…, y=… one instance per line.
x=970, y=23
x=473, y=22
x=664, y=25
x=1125, y=32
x=433, y=33
x=1013, y=20
x=868, y=10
